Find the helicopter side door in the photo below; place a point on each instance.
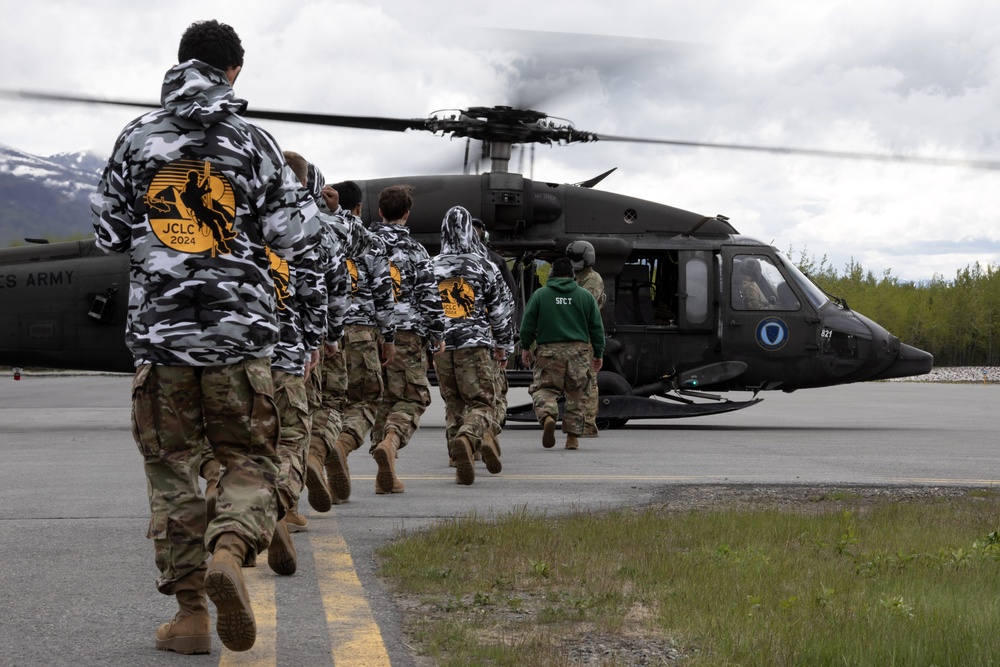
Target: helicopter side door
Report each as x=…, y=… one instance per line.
x=663, y=314
x=765, y=321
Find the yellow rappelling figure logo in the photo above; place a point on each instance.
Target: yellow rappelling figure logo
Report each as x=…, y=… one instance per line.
x=457, y=297
x=397, y=281
x=352, y=269
x=192, y=207
x=280, y=276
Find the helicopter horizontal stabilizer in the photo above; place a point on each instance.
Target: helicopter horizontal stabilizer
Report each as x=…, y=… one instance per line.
x=589, y=183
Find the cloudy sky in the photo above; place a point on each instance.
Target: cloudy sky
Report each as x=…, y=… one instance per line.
x=916, y=77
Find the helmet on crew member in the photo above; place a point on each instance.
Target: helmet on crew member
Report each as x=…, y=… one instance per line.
x=581, y=254
x=480, y=227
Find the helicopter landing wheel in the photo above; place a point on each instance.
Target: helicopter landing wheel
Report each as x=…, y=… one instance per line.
x=611, y=384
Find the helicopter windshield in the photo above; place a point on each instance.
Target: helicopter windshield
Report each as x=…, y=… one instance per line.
x=815, y=295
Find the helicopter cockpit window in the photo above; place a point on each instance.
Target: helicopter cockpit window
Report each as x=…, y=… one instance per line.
x=759, y=285
x=815, y=295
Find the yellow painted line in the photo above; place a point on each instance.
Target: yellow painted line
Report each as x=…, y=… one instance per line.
x=579, y=478
x=729, y=479
x=354, y=635
x=260, y=587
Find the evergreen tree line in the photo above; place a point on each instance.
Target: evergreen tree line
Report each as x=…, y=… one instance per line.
x=955, y=320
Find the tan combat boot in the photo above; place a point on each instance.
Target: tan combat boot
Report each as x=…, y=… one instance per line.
x=281, y=556
x=337, y=472
x=320, y=497
x=191, y=630
x=296, y=522
x=236, y=625
x=549, y=433
x=460, y=450
x=211, y=471
x=572, y=441
x=490, y=449
x=385, y=457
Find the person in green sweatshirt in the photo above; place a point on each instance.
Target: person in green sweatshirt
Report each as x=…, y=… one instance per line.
x=564, y=324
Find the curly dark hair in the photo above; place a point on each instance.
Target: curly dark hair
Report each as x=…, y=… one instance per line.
x=211, y=42
x=350, y=194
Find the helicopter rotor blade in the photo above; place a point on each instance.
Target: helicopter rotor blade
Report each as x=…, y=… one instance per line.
x=813, y=152
x=456, y=128
x=332, y=120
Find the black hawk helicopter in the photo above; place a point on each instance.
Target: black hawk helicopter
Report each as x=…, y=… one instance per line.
x=681, y=323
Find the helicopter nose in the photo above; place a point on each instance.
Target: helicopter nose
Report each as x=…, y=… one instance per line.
x=909, y=362
x=880, y=354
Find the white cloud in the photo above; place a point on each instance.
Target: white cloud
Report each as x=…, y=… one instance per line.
x=884, y=76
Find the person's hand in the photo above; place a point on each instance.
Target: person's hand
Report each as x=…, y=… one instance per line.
x=388, y=353
x=595, y=364
x=526, y=357
x=438, y=347
x=331, y=197
x=330, y=349
x=313, y=361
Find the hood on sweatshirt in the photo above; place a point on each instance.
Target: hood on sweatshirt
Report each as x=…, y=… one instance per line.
x=561, y=284
x=458, y=236
x=197, y=91
x=315, y=183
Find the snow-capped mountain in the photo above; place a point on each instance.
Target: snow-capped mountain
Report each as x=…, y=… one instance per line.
x=46, y=197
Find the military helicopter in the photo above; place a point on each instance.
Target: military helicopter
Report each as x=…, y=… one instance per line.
x=694, y=309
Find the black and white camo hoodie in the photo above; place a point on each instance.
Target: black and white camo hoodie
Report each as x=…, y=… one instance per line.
x=477, y=314
x=194, y=194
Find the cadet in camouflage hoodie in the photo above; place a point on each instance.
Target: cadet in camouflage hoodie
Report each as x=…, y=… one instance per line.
x=302, y=315
x=328, y=388
x=477, y=319
x=193, y=194
x=369, y=326
x=419, y=327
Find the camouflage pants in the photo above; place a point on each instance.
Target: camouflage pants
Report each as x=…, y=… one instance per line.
x=314, y=386
x=407, y=390
x=364, y=380
x=466, y=379
x=293, y=441
x=329, y=385
x=175, y=410
x=561, y=369
x=500, y=377
x=591, y=401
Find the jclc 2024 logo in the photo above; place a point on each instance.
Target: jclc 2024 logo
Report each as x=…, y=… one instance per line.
x=457, y=297
x=772, y=333
x=192, y=207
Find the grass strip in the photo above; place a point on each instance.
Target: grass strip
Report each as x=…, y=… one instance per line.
x=841, y=580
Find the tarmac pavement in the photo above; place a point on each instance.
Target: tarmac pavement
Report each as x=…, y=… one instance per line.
x=76, y=572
